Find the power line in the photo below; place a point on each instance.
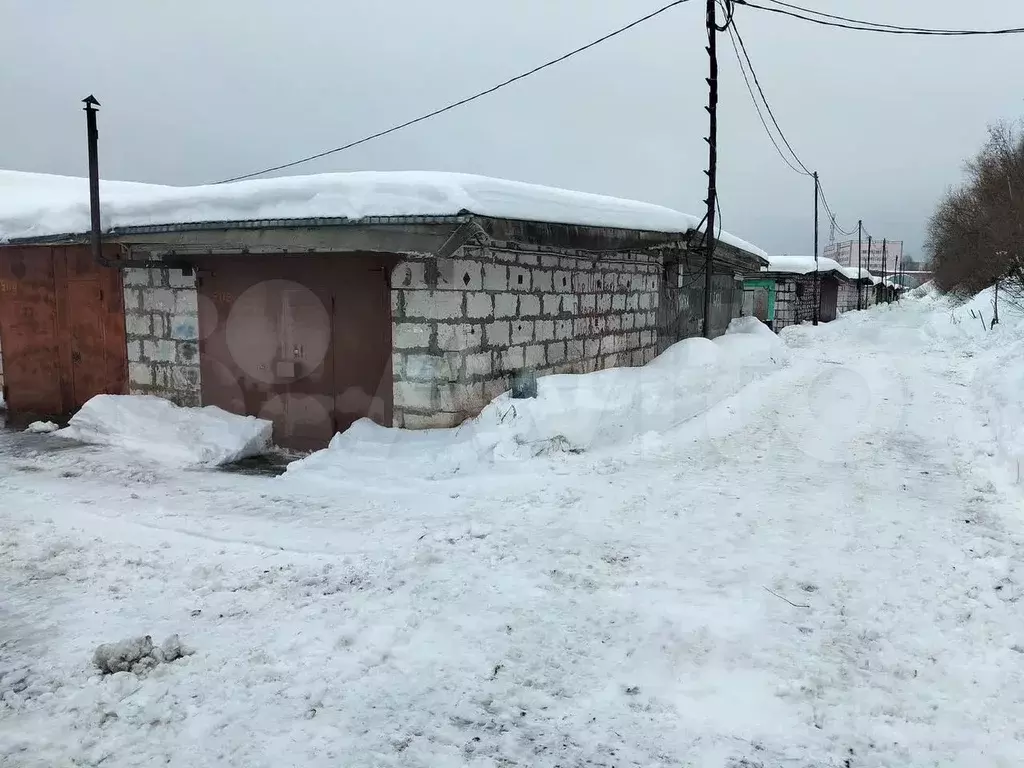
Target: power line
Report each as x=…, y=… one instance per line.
x=802, y=169
x=871, y=26
x=757, y=106
x=735, y=32
x=461, y=102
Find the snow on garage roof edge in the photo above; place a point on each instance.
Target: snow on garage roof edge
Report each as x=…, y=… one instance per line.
x=36, y=205
x=804, y=265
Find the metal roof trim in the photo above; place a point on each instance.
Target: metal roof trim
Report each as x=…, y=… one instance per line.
x=200, y=226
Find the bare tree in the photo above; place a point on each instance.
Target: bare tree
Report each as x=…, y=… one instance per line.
x=976, y=235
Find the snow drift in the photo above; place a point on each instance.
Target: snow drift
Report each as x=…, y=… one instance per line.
x=571, y=414
x=159, y=429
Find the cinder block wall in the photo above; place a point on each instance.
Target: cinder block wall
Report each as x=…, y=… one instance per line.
x=805, y=300
x=463, y=326
x=785, y=304
x=846, y=301
x=162, y=325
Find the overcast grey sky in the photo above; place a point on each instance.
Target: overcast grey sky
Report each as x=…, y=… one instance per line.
x=197, y=90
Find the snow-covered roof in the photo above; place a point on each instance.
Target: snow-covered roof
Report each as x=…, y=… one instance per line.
x=804, y=265
x=38, y=205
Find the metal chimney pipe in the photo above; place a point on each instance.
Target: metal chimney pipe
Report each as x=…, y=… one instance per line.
x=95, y=234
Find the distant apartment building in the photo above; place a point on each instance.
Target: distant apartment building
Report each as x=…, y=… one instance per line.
x=872, y=259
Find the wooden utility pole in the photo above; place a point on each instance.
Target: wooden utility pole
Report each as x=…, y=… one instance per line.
x=817, y=275
x=860, y=250
x=712, y=170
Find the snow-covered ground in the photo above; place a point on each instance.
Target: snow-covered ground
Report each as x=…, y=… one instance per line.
x=818, y=567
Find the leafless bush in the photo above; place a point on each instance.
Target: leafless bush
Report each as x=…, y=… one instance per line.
x=976, y=235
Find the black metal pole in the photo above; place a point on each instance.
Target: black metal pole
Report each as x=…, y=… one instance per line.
x=860, y=250
x=817, y=275
x=712, y=161
x=869, y=264
x=885, y=288
x=95, y=234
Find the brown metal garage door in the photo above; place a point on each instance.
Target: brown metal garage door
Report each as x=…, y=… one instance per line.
x=304, y=341
x=61, y=329
x=829, y=297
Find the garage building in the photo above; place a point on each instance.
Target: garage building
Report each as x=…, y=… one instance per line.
x=410, y=298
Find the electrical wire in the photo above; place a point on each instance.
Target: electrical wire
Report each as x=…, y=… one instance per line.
x=735, y=29
x=757, y=106
x=802, y=169
x=871, y=26
x=461, y=102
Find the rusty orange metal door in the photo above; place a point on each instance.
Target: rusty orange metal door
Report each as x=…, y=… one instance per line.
x=28, y=331
x=61, y=329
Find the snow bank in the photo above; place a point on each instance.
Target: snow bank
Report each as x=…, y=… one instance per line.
x=33, y=205
x=159, y=429
x=571, y=414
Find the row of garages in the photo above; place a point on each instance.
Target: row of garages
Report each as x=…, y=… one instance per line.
x=797, y=289
x=317, y=302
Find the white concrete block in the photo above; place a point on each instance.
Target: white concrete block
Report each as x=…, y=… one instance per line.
x=529, y=305
x=495, y=277
x=160, y=351
x=478, y=364
x=430, y=367
x=479, y=305
x=408, y=394
x=434, y=305
x=460, y=337
x=522, y=331
x=412, y=335
x=497, y=334
x=158, y=299
x=140, y=374
x=138, y=324
x=535, y=356
x=519, y=279
x=512, y=359
x=542, y=280
x=506, y=305
x=556, y=352
x=134, y=276
x=460, y=398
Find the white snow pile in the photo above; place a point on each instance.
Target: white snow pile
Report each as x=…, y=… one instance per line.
x=998, y=354
x=42, y=427
x=159, y=429
x=571, y=414
x=138, y=654
x=33, y=205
